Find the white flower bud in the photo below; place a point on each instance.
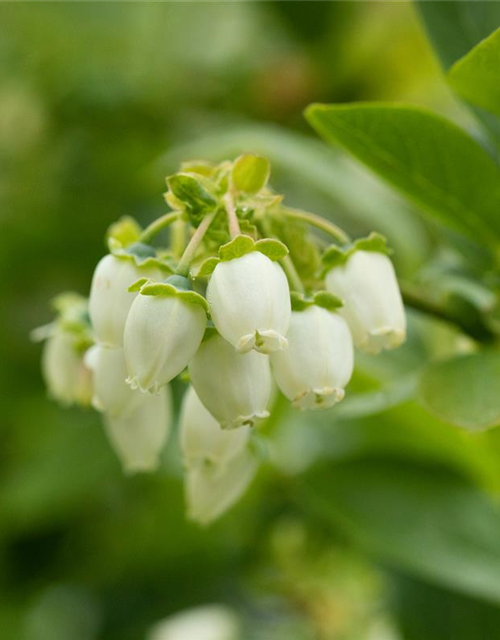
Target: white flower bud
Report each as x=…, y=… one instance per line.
x=212, y=489
x=67, y=377
x=110, y=300
x=249, y=300
x=234, y=387
x=211, y=622
x=201, y=437
x=373, y=306
x=138, y=437
x=318, y=363
x=111, y=393
x=162, y=333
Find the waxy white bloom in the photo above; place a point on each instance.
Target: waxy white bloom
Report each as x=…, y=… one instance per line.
x=211, y=489
x=249, y=301
x=110, y=300
x=373, y=306
x=111, y=392
x=211, y=622
x=138, y=437
x=66, y=375
x=318, y=363
x=234, y=387
x=201, y=438
x=164, y=329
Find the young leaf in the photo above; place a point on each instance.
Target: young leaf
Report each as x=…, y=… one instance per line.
x=250, y=173
x=465, y=390
x=425, y=156
x=476, y=76
x=192, y=193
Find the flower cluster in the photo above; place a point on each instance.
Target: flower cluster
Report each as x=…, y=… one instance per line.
x=244, y=297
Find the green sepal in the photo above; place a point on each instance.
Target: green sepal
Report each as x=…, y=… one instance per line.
x=335, y=256
x=173, y=286
x=210, y=331
x=250, y=173
x=123, y=232
x=142, y=255
x=323, y=299
x=240, y=246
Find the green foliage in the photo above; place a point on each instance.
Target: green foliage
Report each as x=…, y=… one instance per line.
x=250, y=173
x=464, y=390
x=476, y=76
x=427, y=521
x=428, y=158
x=193, y=194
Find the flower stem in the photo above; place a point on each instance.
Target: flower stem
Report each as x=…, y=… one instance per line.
x=232, y=218
x=291, y=273
x=158, y=225
x=190, y=251
x=318, y=222
x=178, y=243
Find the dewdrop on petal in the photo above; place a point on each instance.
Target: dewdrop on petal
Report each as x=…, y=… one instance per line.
x=110, y=300
x=164, y=329
x=201, y=438
x=111, y=392
x=373, y=306
x=318, y=363
x=234, y=387
x=249, y=300
x=139, y=436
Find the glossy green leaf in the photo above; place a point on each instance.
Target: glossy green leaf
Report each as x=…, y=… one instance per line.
x=250, y=173
x=456, y=26
x=425, y=156
x=476, y=76
x=464, y=390
x=424, y=520
x=192, y=192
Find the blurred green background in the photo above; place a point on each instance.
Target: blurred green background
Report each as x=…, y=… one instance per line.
x=374, y=522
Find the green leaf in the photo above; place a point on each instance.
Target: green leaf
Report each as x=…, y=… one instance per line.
x=456, y=26
x=464, y=390
x=250, y=173
x=193, y=192
x=431, y=160
x=425, y=520
x=476, y=76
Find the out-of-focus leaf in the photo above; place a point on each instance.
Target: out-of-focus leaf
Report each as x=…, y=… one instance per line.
x=428, y=612
x=425, y=156
x=476, y=76
x=250, y=173
x=456, y=26
x=464, y=390
x=422, y=519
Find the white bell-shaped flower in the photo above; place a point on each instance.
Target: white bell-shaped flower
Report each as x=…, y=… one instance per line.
x=139, y=436
x=318, y=363
x=66, y=375
x=111, y=392
x=234, y=387
x=373, y=306
x=211, y=622
x=110, y=300
x=164, y=329
x=249, y=301
x=201, y=437
x=212, y=489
